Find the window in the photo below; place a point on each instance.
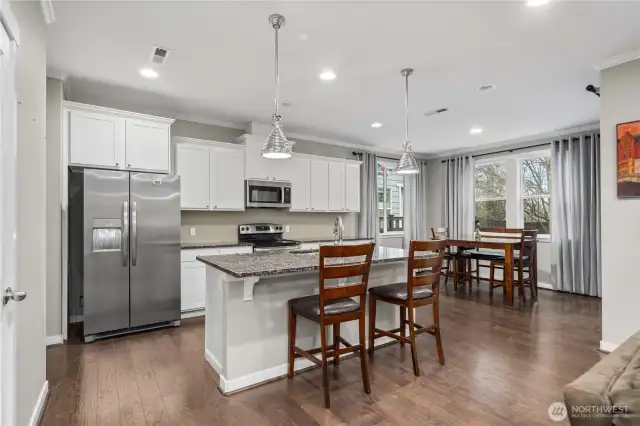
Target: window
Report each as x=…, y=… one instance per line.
x=491, y=196
x=536, y=200
x=390, y=198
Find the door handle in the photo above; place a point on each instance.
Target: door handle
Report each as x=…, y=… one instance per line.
x=134, y=233
x=125, y=234
x=16, y=296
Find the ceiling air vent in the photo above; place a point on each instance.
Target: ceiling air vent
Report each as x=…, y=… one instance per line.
x=159, y=55
x=435, y=112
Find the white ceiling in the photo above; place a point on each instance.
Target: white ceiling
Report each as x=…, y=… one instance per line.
x=221, y=64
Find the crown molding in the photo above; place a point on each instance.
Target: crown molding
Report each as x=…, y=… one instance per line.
x=619, y=59
x=210, y=121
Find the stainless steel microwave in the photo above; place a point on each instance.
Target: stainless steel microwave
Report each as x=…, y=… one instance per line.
x=268, y=193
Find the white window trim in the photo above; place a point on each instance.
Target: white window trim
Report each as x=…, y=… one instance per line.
x=392, y=166
x=512, y=163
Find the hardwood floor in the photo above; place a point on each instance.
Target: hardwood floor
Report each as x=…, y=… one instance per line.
x=504, y=366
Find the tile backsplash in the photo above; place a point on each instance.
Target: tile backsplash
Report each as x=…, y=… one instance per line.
x=223, y=226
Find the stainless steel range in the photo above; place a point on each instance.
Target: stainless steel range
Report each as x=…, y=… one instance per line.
x=265, y=237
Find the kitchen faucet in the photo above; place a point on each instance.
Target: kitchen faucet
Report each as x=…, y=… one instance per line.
x=338, y=230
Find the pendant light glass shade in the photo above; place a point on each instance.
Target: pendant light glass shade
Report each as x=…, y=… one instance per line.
x=277, y=146
x=407, y=164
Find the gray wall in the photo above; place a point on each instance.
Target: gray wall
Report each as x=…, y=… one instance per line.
x=620, y=88
x=54, y=213
x=31, y=205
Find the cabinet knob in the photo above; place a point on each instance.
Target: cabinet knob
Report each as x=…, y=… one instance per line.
x=117, y=164
x=128, y=165
x=207, y=206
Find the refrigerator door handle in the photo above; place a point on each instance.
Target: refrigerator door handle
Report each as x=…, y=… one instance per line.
x=125, y=234
x=134, y=233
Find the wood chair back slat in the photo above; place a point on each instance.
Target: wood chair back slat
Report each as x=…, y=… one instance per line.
x=330, y=268
x=501, y=233
x=416, y=263
x=440, y=233
x=528, y=245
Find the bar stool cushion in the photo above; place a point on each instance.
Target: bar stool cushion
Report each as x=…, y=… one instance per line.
x=310, y=305
x=398, y=291
x=486, y=255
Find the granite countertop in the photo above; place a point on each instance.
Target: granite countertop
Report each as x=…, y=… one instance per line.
x=329, y=240
x=212, y=244
x=284, y=262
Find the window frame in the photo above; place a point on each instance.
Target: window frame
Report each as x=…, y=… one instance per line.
x=491, y=162
x=522, y=196
x=512, y=163
x=385, y=190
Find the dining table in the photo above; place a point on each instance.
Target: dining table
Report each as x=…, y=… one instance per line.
x=506, y=244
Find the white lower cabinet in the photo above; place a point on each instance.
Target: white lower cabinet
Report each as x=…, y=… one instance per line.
x=193, y=280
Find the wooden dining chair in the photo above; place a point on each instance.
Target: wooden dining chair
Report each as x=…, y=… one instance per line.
x=525, y=261
x=421, y=289
x=333, y=306
x=449, y=256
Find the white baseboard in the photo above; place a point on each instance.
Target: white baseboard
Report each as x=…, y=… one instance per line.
x=546, y=286
x=228, y=386
x=54, y=340
x=40, y=403
x=192, y=313
x=607, y=347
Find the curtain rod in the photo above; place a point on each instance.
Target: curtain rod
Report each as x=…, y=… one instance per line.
x=508, y=150
x=357, y=154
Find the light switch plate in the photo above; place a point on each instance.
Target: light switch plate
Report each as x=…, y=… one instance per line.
x=192, y=232
x=287, y=228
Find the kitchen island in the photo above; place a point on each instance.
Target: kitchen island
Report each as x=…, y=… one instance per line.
x=246, y=322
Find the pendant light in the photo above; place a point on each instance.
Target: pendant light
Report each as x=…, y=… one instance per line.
x=277, y=146
x=407, y=164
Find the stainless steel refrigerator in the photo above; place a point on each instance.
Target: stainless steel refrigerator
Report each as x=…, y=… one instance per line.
x=124, y=250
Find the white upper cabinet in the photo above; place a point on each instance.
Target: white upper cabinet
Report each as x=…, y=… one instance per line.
x=336, y=186
x=300, y=177
x=258, y=167
x=95, y=139
x=114, y=139
x=230, y=178
x=192, y=165
x=352, y=187
x=211, y=174
x=147, y=145
x=319, y=185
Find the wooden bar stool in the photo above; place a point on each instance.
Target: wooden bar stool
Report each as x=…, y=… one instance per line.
x=333, y=306
x=525, y=261
x=412, y=294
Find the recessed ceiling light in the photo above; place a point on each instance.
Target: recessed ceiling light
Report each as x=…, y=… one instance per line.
x=376, y=124
x=486, y=87
x=148, y=73
x=537, y=3
x=475, y=130
x=303, y=37
x=328, y=75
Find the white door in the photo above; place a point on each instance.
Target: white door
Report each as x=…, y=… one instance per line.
x=96, y=139
x=230, y=179
x=352, y=188
x=319, y=185
x=192, y=165
x=8, y=260
x=147, y=146
x=193, y=284
x=300, y=177
x=336, y=187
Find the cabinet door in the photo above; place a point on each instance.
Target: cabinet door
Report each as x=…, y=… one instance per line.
x=192, y=165
x=96, y=139
x=319, y=185
x=336, y=186
x=257, y=167
x=193, y=282
x=230, y=179
x=352, y=187
x=300, y=176
x=147, y=146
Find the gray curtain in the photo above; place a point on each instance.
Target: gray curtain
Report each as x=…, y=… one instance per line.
x=368, y=217
x=415, y=206
x=459, y=200
x=575, y=215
